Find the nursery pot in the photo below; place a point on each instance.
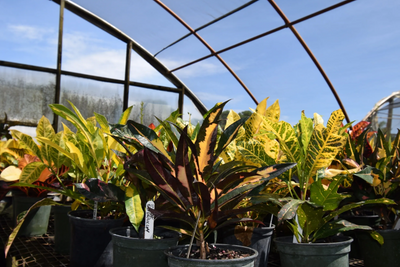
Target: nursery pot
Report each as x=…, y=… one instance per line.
x=257, y=238
x=332, y=254
x=376, y=255
x=130, y=250
x=62, y=229
x=89, y=237
x=174, y=260
x=36, y=222
x=370, y=220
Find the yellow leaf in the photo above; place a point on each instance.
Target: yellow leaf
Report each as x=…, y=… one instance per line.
x=273, y=112
x=10, y=174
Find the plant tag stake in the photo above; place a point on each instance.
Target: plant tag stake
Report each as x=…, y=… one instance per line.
x=95, y=210
x=149, y=221
x=300, y=230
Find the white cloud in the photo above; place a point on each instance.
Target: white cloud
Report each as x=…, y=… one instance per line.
x=30, y=32
x=109, y=63
x=202, y=68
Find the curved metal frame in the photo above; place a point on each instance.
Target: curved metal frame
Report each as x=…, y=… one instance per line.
x=141, y=51
x=167, y=73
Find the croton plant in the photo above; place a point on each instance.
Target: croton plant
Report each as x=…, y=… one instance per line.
x=195, y=185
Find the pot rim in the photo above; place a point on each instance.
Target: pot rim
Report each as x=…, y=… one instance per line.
x=251, y=257
x=289, y=240
x=71, y=214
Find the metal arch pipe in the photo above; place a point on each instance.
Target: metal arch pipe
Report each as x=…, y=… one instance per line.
x=166, y=8
x=141, y=51
x=311, y=55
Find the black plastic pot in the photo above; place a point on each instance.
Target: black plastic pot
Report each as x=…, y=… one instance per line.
x=259, y=239
x=134, y=251
x=175, y=261
x=37, y=220
x=376, y=255
x=370, y=220
x=62, y=229
x=333, y=254
x=89, y=238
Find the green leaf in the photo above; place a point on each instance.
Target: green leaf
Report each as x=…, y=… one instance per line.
x=133, y=206
x=288, y=211
x=45, y=129
x=328, y=198
x=13, y=235
x=324, y=145
x=31, y=172
x=102, y=121
x=306, y=128
x=286, y=137
x=366, y=174
x=229, y=135
x=125, y=115
x=378, y=237
x=338, y=226
x=254, y=151
x=310, y=218
x=28, y=141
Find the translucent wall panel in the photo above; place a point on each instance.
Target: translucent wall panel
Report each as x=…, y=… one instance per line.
x=143, y=20
x=25, y=129
x=142, y=71
x=150, y=103
x=25, y=95
x=251, y=21
x=29, y=31
x=88, y=49
x=92, y=96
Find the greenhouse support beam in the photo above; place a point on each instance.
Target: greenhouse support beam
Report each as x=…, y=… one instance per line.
x=265, y=34
x=127, y=75
x=208, y=24
x=141, y=51
x=59, y=61
x=166, y=8
x=311, y=55
x=88, y=76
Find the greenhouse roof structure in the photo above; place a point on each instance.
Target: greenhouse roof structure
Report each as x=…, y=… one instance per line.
x=163, y=55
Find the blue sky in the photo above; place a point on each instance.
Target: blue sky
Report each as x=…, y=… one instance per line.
x=358, y=45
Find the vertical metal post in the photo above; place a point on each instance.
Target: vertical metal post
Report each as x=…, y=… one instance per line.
x=180, y=100
x=127, y=74
x=389, y=118
x=59, y=59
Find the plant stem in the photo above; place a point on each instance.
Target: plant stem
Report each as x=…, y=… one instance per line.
x=194, y=233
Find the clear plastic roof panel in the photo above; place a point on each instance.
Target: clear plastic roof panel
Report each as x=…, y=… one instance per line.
x=357, y=45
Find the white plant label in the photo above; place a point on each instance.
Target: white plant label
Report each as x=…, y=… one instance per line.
x=95, y=210
x=149, y=221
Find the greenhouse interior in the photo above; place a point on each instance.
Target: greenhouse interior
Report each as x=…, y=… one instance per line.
x=273, y=115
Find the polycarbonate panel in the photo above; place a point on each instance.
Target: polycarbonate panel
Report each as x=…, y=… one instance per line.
x=148, y=104
x=185, y=51
x=89, y=50
x=298, y=9
x=24, y=38
x=142, y=71
x=91, y=96
x=247, y=23
x=212, y=83
x=199, y=12
x=143, y=20
x=25, y=95
x=283, y=71
x=382, y=119
x=359, y=53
